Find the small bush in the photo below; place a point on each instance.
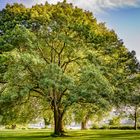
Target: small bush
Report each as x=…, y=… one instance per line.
x=105, y=127
x=8, y=127
x=118, y=127
x=95, y=126
x=124, y=127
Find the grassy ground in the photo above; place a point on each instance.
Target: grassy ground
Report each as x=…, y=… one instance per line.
x=72, y=135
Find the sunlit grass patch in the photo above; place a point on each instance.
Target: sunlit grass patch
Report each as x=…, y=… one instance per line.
x=71, y=135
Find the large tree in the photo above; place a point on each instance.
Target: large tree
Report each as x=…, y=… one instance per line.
x=60, y=54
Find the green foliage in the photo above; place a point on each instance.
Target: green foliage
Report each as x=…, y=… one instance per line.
x=60, y=55
x=115, y=121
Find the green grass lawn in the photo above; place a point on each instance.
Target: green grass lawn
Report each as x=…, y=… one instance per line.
x=72, y=135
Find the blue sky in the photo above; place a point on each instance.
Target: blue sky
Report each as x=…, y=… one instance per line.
x=121, y=15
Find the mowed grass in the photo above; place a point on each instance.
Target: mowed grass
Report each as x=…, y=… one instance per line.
x=71, y=135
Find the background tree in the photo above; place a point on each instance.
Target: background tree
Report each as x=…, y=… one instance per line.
x=85, y=112
x=131, y=95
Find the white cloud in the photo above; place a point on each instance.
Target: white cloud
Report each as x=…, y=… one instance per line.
x=138, y=58
x=92, y=5
x=100, y=5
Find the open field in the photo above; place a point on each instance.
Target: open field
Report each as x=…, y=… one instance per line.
x=72, y=135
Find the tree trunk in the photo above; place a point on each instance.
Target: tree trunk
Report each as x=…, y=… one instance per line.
x=83, y=125
x=84, y=122
x=58, y=131
x=58, y=122
x=135, y=117
x=58, y=116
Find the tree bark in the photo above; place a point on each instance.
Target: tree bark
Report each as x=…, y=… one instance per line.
x=84, y=123
x=135, y=117
x=58, y=115
x=58, y=123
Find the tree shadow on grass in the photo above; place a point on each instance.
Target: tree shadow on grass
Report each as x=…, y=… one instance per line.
x=24, y=137
x=32, y=137
x=121, y=136
x=81, y=135
x=107, y=136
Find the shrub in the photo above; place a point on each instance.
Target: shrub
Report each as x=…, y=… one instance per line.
x=95, y=126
